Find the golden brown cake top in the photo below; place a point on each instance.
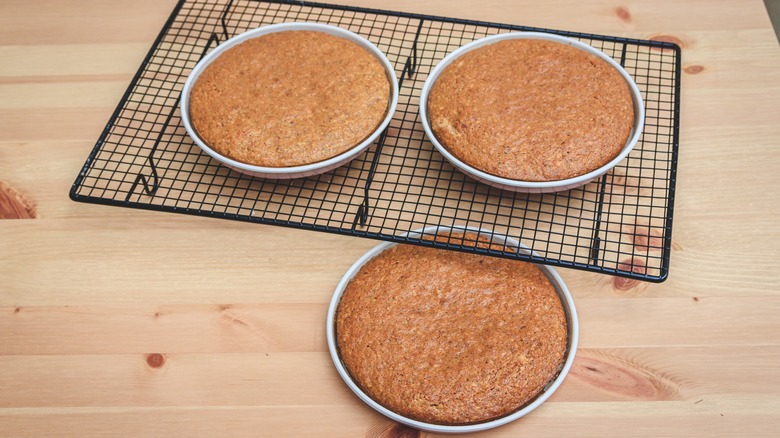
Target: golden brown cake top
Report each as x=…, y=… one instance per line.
x=450, y=338
x=531, y=110
x=289, y=98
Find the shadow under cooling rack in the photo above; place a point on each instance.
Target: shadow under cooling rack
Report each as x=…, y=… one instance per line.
x=619, y=224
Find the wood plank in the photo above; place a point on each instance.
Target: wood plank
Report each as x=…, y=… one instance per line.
x=309, y=421
x=235, y=262
x=217, y=328
x=36, y=124
x=599, y=16
x=239, y=255
x=161, y=379
x=55, y=63
x=74, y=96
x=300, y=327
x=280, y=379
x=716, y=415
x=76, y=21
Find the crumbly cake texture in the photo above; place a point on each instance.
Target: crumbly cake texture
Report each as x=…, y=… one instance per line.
x=450, y=338
x=531, y=110
x=289, y=98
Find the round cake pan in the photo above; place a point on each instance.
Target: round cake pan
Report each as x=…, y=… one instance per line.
x=293, y=171
x=532, y=186
x=566, y=301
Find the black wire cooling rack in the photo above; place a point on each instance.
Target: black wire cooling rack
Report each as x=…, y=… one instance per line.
x=619, y=224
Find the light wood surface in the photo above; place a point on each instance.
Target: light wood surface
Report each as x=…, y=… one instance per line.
x=133, y=323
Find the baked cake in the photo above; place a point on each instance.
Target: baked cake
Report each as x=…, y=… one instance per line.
x=450, y=338
x=289, y=98
x=531, y=110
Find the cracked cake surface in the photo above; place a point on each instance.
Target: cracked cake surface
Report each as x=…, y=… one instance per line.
x=450, y=338
x=289, y=98
x=531, y=110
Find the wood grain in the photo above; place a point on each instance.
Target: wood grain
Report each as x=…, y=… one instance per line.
x=299, y=327
x=127, y=322
x=14, y=205
x=283, y=378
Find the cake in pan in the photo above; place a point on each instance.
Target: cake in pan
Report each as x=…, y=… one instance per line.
x=531, y=110
x=289, y=98
x=450, y=338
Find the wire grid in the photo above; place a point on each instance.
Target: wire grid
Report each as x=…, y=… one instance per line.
x=619, y=224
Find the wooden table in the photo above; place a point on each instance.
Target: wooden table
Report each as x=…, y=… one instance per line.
x=127, y=322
